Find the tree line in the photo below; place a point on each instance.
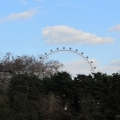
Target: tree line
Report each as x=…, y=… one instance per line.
x=31, y=90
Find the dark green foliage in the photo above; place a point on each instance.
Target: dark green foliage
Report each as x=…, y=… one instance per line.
x=30, y=98
x=23, y=93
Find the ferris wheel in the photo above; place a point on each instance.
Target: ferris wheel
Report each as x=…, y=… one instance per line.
x=73, y=61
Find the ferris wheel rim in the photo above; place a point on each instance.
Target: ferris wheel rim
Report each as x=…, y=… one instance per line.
x=70, y=50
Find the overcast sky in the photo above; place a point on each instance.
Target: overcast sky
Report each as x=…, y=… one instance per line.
x=36, y=26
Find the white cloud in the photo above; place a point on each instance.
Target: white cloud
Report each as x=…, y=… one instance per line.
x=79, y=67
x=65, y=34
x=109, y=69
x=115, y=62
x=23, y=15
x=115, y=28
x=82, y=67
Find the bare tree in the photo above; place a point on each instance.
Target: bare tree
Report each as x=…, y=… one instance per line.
x=11, y=65
x=52, y=67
